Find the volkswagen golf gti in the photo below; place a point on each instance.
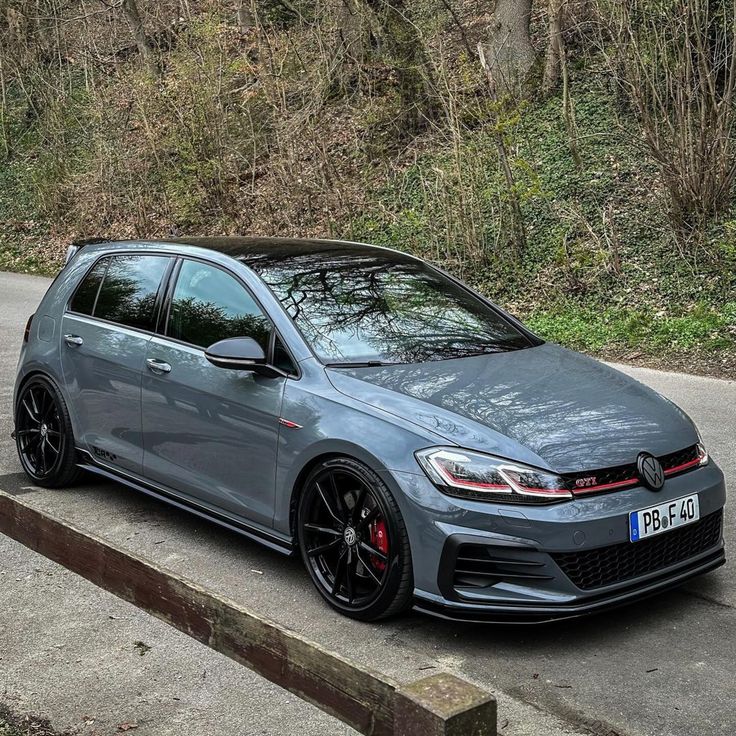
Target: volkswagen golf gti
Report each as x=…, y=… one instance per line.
x=412, y=441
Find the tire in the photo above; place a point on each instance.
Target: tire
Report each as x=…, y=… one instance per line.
x=43, y=435
x=347, y=513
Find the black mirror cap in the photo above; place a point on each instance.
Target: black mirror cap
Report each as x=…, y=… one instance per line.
x=237, y=353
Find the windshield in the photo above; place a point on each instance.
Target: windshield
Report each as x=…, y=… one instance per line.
x=364, y=308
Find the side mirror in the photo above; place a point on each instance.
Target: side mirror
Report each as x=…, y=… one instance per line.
x=241, y=354
x=238, y=353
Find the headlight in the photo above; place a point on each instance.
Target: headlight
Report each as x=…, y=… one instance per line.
x=702, y=454
x=468, y=474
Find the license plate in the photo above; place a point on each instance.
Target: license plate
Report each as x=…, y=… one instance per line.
x=663, y=517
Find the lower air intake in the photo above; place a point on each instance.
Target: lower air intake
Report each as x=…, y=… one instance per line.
x=597, y=568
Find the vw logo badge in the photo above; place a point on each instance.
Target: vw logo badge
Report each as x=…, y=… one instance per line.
x=650, y=471
x=350, y=536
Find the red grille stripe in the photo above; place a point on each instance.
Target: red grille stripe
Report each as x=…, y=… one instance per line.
x=683, y=466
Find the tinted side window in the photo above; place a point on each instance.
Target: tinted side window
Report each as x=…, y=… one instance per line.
x=210, y=305
x=282, y=359
x=129, y=289
x=86, y=294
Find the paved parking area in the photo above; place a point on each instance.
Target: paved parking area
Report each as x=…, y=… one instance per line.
x=666, y=666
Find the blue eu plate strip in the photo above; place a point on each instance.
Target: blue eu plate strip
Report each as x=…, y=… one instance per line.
x=634, y=526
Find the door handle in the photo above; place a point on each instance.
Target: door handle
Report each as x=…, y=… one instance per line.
x=158, y=366
x=73, y=341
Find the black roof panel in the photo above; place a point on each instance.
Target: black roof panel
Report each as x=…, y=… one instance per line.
x=252, y=249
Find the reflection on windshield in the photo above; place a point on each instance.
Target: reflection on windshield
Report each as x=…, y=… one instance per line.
x=364, y=307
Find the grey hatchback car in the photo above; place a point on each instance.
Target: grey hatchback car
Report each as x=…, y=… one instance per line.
x=355, y=405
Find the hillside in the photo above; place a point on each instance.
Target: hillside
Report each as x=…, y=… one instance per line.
x=296, y=118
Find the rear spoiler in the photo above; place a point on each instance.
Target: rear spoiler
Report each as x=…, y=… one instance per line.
x=77, y=245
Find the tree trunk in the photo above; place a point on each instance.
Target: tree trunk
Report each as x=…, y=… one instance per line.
x=130, y=10
x=517, y=217
x=246, y=21
x=350, y=28
x=508, y=49
x=553, y=62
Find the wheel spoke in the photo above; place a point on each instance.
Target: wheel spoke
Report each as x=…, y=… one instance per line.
x=43, y=455
x=370, y=549
x=341, y=510
x=30, y=411
x=53, y=449
x=359, y=502
x=33, y=442
x=43, y=404
x=323, y=548
x=38, y=455
x=24, y=432
x=327, y=504
x=368, y=568
x=350, y=576
x=323, y=530
x=339, y=573
x=36, y=413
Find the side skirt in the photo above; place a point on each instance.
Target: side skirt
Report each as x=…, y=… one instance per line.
x=272, y=541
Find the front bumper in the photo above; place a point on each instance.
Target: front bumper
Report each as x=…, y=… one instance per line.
x=533, y=545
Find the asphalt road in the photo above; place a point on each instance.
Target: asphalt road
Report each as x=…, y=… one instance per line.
x=666, y=666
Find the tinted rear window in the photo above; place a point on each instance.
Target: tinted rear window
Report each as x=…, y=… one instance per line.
x=130, y=284
x=86, y=294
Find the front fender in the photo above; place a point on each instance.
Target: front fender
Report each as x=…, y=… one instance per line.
x=333, y=426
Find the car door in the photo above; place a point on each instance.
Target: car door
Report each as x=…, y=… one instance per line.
x=104, y=335
x=211, y=432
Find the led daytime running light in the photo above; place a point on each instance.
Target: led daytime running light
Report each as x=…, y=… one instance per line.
x=493, y=476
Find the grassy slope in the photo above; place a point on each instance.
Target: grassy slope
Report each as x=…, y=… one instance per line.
x=601, y=271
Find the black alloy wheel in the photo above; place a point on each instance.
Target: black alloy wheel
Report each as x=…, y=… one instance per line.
x=43, y=435
x=353, y=540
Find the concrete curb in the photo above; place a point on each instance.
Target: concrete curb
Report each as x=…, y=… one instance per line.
x=367, y=701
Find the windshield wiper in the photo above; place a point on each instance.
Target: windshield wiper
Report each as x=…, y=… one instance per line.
x=359, y=364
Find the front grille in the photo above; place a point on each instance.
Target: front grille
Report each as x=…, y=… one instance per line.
x=479, y=565
x=621, y=476
x=596, y=568
x=675, y=459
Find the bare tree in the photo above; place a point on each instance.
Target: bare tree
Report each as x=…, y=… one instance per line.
x=556, y=68
x=676, y=64
x=245, y=15
x=517, y=217
x=407, y=52
x=555, y=45
x=145, y=49
x=508, y=47
x=566, y=20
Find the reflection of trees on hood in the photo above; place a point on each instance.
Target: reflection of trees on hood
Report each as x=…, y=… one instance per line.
x=204, y=323
x=396, y=309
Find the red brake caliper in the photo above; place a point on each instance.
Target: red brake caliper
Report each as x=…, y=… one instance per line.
x=379, y=539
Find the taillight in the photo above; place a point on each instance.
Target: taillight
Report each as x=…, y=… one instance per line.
x=27, y=331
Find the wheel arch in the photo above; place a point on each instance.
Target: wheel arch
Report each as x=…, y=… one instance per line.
x=320, y=454
x=36, y=372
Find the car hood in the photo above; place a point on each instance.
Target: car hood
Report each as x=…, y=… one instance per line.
x=546, y=405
